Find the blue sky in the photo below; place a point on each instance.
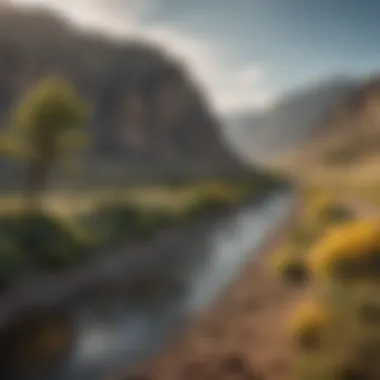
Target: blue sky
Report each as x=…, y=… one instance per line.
x=246, y=52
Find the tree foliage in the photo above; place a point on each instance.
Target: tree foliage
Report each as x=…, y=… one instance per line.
x=45, y=126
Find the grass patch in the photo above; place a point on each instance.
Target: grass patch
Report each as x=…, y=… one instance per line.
x=71, y=225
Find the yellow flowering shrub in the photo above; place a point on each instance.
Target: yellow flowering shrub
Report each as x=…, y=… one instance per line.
x=308, y=325
x=348, y=251
x=339, y=328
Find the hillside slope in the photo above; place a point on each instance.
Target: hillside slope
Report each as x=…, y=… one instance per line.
x=150, y=119
x=293, y=120
x=348, y=152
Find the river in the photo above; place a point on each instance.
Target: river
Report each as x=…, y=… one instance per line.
x=121, y=330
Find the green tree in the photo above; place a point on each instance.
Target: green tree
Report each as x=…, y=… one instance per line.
x=45, y=126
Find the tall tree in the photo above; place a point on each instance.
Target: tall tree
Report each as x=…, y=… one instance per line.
x=45, y=126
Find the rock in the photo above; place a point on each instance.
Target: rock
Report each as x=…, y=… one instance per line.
x=150, y=119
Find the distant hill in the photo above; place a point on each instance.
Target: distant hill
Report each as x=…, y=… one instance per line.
x=150, y=120
x=296, y=118
x=347, y=152
x=352, y=130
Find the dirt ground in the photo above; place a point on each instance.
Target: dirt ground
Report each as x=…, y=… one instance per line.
x=241, y=336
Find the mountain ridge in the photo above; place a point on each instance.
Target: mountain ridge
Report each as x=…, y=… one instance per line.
x=150, y=119
x=295, y=118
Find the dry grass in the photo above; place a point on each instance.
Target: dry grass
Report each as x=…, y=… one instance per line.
x=153, y=197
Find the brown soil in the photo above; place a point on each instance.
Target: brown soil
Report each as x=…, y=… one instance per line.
x=242, y=336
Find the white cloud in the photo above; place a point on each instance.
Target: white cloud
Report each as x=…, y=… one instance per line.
x=228, y=88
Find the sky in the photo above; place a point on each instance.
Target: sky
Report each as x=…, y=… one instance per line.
x=245, y=53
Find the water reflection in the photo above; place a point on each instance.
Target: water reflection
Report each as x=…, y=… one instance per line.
x=119, y=331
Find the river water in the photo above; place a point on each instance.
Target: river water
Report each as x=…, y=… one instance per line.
x=124, y=331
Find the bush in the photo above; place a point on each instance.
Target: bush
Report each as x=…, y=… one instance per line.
x=13, y=259
x=114, y=221
x=342, y=338
x=40, y=240
x=348, y=252
x=122, y=221
x=157, y=220
x=308, y=326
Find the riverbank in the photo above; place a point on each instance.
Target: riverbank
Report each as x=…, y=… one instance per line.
x=70, y=229
x=142, y=270
x=241, y=335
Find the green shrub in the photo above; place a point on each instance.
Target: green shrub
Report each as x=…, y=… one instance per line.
x=114, y=221
x=13, y=259
x=156, y=220
x=122, y=221
x=38, y=240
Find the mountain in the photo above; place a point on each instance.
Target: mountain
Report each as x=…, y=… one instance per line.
x=150, y=119
x=346, y=154
x=352, y=130
x=294, y=119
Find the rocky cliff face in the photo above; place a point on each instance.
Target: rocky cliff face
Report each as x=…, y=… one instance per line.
x=149, y=117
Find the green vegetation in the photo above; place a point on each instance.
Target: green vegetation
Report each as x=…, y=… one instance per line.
x=35, y=240
x=318, y=212
x=337, y=332
x=45, y=126
x=70, y=226
x=41, y=229
x=67, y=230
x=52, y=231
